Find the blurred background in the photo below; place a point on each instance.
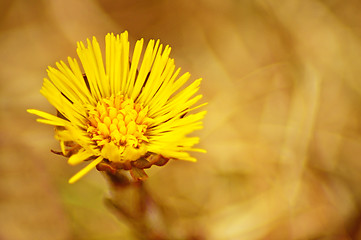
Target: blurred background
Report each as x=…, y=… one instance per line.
x=283, y=130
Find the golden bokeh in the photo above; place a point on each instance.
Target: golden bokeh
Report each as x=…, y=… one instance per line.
x=283, y=129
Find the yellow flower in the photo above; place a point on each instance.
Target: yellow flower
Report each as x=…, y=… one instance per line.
x=124, y=114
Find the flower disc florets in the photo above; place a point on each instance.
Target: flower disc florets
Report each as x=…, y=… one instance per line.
x=118, y=124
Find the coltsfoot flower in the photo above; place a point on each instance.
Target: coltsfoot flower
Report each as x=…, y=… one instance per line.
x=124, y=114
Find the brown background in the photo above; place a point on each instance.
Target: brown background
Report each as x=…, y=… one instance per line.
x=283, y=130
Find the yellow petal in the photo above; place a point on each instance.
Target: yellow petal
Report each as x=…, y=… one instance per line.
x=49, y=118
x=111, y=152
x=85, y=170
x=79, y=157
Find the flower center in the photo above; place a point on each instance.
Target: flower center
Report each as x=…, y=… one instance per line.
x=119, y=127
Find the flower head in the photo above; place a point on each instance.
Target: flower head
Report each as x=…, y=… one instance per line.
x=122, y=114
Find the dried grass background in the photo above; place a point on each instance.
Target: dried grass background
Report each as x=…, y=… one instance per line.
x=283, y=130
